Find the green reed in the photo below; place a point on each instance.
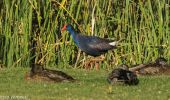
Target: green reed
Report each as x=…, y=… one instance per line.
x=144, y=26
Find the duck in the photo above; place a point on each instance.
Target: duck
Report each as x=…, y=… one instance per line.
x=122, y=75
x=159, y=66
x=38, y=72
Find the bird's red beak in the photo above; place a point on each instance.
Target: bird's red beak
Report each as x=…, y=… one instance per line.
x=64, y=28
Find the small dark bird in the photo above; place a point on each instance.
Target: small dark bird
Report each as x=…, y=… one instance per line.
x=92, y=45
x=121, y=75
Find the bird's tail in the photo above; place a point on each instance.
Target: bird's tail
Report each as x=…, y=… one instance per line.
x=115, y=43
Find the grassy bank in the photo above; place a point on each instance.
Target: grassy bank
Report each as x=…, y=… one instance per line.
x=30, y=30
x=91, y=85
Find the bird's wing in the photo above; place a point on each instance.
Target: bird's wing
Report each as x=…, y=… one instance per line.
x=97, y=43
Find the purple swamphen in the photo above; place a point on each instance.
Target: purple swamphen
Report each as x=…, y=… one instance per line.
x=92, y=45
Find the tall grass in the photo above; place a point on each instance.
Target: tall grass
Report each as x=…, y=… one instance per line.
x=30, y=30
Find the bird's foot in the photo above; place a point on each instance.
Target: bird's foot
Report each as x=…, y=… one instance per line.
x=93, y=62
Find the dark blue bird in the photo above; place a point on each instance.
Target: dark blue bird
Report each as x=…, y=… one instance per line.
x=92, y=45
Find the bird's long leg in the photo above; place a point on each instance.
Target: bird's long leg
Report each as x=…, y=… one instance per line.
x=93, y=61
x=78, y=57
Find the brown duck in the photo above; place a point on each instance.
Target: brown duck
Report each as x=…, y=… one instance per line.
x=122, y=75
x=38, y=72
x=159, y=66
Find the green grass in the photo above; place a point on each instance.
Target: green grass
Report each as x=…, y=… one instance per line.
x=144, y=24
x=92, y=85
